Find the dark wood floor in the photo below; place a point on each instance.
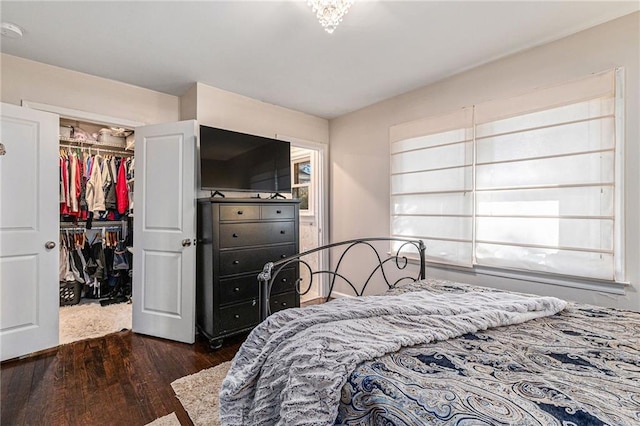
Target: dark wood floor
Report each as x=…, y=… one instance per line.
x=120, y=379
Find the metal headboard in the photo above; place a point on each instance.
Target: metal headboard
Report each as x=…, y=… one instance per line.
x=271, y=270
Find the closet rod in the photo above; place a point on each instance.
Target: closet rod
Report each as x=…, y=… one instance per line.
x=99, y=150
x=96, y=224
x=97, y=228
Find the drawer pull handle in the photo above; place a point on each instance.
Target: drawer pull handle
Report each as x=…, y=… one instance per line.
x=284, y=304
x=253, y=302
x=284, y=280
x=236, y=316
x=283, y=256
x=236, y=262
x=282, y=232
x=239, y=211
x=237, y=289
x=278, y=211
x=235, y=235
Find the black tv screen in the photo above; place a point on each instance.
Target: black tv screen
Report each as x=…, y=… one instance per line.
x=234, y=161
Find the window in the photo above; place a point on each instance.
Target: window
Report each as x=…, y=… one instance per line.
x=527, y=183
x=301, y=187
x=432, y=185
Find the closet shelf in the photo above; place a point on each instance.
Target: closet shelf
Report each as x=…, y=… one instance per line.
x=93, y=144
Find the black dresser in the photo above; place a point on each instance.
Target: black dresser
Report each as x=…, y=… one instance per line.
x=236, y=237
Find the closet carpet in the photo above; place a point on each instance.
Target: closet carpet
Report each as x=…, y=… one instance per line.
x=89, y=320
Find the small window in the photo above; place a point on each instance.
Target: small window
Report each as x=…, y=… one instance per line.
x=301, y=179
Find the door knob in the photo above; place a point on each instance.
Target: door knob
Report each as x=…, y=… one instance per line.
x=186, y=242
x=49, y=245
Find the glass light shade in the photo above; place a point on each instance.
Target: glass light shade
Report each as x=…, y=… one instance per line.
x=330, y=12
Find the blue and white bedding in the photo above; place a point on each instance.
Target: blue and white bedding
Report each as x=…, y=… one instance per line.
x=292, y=367
x=578, y=367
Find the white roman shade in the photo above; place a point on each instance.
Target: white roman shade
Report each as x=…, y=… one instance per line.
x=432, y=184
x=545, y=179
x=527, y=183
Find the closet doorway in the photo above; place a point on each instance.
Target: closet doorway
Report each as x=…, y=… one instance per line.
x=96, y=169
x=30, y=290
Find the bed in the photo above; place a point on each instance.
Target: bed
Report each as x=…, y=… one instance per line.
x=434, y=352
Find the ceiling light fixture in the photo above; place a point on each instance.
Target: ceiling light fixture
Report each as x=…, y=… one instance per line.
x=330, y=12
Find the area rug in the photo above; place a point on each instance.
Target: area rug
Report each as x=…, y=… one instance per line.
x=199, y=394
x=168, y=420
x=86, y=321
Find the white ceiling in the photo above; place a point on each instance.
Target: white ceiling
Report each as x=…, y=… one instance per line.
x=277, y=52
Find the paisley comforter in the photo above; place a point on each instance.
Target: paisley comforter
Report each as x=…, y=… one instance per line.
x=578, y=367
x=291, y=368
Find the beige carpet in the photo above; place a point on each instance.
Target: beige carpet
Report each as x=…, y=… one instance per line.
x=86, y=321
x=199, y=393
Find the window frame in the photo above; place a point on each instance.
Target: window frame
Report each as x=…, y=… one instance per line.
x=310, y=186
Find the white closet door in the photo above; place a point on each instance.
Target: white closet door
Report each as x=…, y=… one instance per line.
x=29, y=205
x=164, y=231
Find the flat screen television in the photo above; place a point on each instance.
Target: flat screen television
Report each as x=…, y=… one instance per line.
x=233, y=161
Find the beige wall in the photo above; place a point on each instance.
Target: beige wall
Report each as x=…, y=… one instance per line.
x=360, y=140
x=23, y=79
x=218, y=108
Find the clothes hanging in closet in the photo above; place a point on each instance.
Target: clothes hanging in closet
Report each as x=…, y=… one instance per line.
x=98, y=261
x=94, y=185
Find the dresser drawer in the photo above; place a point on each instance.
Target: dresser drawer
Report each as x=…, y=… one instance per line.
x=285, y=281
x=237, y=317
x=245, y=260
x=239, y=212
x=278, y=211
x=283, y=301
x=256, y=233
x=233, y=290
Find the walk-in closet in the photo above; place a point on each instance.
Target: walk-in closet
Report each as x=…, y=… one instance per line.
x=97, y=169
